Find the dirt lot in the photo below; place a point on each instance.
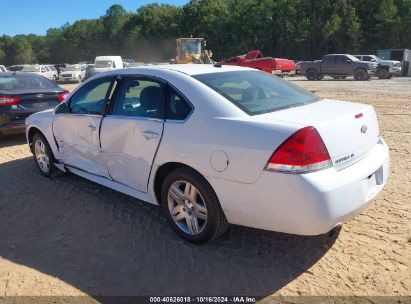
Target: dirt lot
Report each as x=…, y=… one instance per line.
x=67, y=236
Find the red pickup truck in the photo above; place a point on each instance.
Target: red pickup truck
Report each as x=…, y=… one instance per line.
x=254, y=59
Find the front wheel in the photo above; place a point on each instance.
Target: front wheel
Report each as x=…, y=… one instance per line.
x=192, y=207
x=384, y=74
x=43, y=155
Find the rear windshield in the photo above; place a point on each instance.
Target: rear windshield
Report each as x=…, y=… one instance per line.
x=24, y=83
x=103, y=64
x=257, y=92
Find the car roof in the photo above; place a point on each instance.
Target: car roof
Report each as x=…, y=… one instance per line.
x=193, y=69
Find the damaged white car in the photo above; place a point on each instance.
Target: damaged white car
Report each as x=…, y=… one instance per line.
x=215, y=145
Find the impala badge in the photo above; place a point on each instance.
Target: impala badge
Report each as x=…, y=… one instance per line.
x=364, y=129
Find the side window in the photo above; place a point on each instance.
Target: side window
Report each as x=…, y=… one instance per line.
x=141, y=98
x=92, y=98
x=43, y=69
x=176, y=107
x=342, y=60
x=368, y=58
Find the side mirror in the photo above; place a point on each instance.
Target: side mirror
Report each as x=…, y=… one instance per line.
x=61, y=108
x=348, y=60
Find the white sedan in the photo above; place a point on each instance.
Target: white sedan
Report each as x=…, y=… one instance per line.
x=215, y=145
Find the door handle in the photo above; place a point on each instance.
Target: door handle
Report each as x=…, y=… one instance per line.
x=92, y=127
x=150, y=134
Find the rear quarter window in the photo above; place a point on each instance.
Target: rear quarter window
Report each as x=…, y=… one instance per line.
x=257, y=92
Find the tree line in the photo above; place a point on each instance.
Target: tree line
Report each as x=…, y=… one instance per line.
x=295, y=29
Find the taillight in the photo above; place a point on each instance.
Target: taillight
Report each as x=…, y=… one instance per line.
x=62, y=96
x=8, y=100
x=304, y=151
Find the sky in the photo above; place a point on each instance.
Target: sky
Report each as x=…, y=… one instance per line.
x=37, y=16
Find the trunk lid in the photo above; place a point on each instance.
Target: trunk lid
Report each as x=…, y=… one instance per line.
x=349, y=130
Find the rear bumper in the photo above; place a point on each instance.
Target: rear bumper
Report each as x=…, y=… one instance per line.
x=306, y=204
x=13, y=122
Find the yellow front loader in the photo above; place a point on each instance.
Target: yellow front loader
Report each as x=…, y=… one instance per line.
x=190, y=50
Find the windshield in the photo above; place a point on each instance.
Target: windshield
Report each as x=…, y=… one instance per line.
x=35, y=69
x=103, y=64
x=72, y=68
x=15, y=68
x=257, y=92
x=24, y=83
x=192, y=46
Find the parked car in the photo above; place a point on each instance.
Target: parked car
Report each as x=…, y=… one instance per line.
x=22, y=94
x=386, y=68
x=338, y=66
x=107, y=63
x=216, y=145
x=255, y=59
x=3, y=68
x=73, y=73
x=47, y=71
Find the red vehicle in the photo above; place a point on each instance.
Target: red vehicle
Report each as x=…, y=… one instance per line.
x=254, y=59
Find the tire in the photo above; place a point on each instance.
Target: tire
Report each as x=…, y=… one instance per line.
x=43, y=155
x=343, y=77
x=360, y=75
x=336, y=77
x=383, y=74
x=311, y=75
x=184, y=192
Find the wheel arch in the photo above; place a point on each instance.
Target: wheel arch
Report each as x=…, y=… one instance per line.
x=30, y=133
x=163, y=171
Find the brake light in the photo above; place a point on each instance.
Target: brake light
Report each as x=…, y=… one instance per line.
x=304, y=151
x=8, y=100
x=62, y=96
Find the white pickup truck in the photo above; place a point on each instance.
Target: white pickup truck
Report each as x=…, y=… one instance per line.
x=386, y=68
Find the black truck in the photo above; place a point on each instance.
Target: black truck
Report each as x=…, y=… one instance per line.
x=338, y=66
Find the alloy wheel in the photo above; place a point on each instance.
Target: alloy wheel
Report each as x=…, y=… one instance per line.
x=42, y=158
x=187, y=207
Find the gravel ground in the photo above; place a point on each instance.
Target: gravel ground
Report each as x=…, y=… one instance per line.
x=66, y=236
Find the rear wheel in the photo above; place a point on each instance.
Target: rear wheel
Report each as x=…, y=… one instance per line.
x=360, y=75
x=192, y=207
x=43, y=155
x=311, y=74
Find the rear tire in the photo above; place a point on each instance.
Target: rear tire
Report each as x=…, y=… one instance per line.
x=192, y=207
x=360, y=75
x=311, y=75
x=43, y=155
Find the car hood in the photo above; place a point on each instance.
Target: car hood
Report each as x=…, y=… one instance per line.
x=389, y=62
